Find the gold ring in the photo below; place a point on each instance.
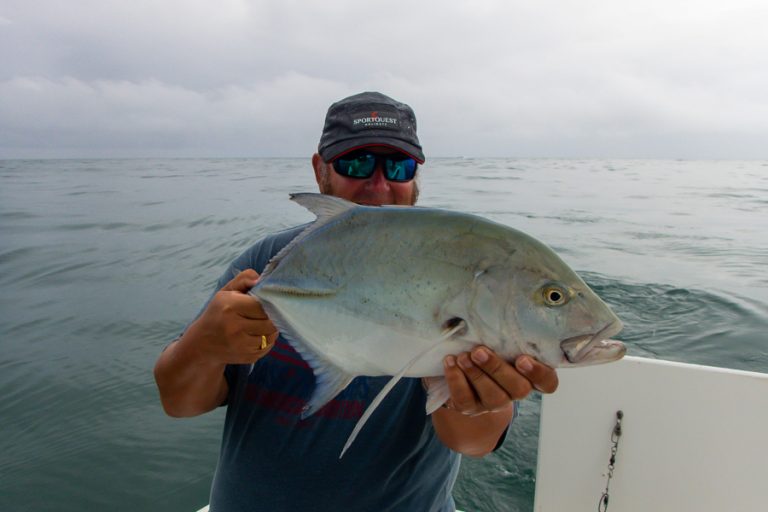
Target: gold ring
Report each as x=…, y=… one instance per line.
x=263, y=342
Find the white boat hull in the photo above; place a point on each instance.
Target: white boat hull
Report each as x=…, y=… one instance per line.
x=694, y=438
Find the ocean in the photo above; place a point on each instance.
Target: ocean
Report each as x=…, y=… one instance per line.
x=103, y=262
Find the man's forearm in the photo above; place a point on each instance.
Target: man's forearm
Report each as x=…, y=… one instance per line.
x=188, y=382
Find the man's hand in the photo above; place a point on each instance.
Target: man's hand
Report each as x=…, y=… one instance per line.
x=482, y=382
x=234, y=329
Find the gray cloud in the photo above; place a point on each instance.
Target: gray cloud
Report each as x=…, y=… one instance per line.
x=486, y=78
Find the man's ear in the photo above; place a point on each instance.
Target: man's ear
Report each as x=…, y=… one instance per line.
x=317, y=163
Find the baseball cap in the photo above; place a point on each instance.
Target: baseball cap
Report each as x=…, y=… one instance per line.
x=369, y=119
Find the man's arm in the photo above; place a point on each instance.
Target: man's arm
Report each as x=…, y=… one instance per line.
x=190, y=372
x=483, y=388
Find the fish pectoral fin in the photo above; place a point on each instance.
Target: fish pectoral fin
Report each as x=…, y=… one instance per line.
x=437, y=394
x=368, y=411
x=445, y=335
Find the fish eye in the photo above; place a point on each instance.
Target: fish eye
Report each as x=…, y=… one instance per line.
x=554, y=295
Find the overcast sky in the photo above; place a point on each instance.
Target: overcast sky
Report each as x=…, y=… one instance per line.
x=534, y=78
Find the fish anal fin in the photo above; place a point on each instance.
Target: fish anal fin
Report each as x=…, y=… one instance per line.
x=329, y=379
x=329, y=382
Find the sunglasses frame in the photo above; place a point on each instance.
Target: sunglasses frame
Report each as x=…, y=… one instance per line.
x=388, y=161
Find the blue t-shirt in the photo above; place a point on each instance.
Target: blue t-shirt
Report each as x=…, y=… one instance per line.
x=271, y=460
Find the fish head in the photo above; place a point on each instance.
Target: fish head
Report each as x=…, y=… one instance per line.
x=555, y=316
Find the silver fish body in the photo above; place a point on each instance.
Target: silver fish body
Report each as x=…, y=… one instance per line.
x=392, y=290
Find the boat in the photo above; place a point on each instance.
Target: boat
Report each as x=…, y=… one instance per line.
x=654, y=435
x=644, y=434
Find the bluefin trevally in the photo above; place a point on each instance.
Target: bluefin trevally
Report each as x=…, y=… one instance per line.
x=392, y=290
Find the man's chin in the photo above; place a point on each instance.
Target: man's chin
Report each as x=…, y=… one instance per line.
x=362, y=199
x=326, y=187
x=373, y=201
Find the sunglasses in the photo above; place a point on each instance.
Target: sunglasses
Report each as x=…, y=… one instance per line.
x=362, y=164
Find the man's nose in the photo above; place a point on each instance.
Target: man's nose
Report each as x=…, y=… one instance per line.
x=378, y=179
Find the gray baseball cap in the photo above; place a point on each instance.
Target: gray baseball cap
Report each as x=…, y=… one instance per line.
x=369, y=119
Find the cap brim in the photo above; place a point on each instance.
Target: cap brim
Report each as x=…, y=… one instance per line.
x=345, y=146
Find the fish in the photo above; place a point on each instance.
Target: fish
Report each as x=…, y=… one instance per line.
x=392, y=290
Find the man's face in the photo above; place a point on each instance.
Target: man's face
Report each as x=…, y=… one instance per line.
x=374, y=191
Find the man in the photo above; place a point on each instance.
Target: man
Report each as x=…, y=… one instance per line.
x=273, y=460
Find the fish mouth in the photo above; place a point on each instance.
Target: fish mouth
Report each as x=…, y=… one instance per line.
x=594, y=348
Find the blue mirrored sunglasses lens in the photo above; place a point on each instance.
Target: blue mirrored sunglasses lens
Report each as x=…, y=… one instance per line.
x=361, y=166
x=400, y=170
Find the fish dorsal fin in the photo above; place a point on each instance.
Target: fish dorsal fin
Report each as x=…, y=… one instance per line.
x=325, y=206
x=306, y=288
x=394, y=380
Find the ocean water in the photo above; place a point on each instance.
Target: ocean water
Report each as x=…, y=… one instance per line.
x=102, y=262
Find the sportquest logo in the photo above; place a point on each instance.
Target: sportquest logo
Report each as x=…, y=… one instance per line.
x=374, y=120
